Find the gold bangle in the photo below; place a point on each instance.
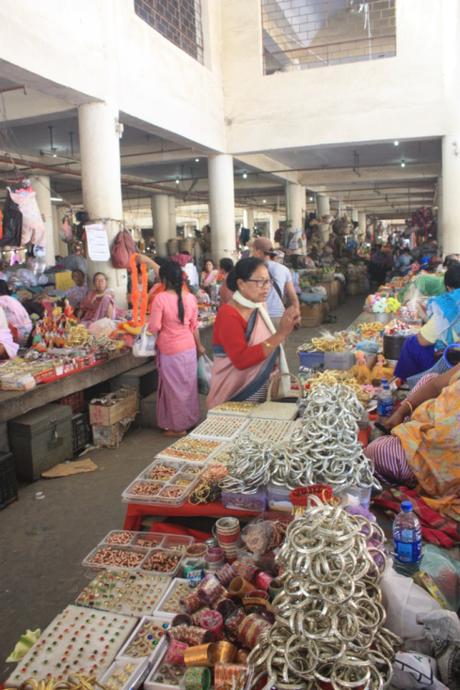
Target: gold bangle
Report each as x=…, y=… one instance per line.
x=410, y=405
x=267, y=344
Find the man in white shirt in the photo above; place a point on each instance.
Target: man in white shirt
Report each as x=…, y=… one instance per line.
x=191, y=271
x=282, y=288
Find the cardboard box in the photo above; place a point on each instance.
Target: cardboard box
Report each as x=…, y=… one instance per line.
x=113, y=407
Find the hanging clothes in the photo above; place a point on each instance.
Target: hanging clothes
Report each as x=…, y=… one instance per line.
x=33, y=227
x=12, y=223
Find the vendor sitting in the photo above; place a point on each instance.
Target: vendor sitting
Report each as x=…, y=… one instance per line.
x=442, y=329
x=98, y=303
x=77, y=294
x=17, y=317
x=424, y=447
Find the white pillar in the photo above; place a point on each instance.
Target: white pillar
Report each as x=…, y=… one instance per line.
x=354, y=215
x=161, y=218
x=362, y=220
x=323, y=207
x=250, y=218
x=295, y=205
x=221, y=205
x=60, y=247
x=172, y=216
x=41, y=186
x=101, y=181
x=450, y=232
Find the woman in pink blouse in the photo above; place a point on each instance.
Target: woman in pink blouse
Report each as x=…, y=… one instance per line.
x=174, y=318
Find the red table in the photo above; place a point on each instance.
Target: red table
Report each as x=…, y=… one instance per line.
x=135, y=512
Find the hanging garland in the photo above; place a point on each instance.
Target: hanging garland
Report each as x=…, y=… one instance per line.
x=139, y=316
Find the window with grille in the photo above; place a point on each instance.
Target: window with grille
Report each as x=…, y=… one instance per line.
x=300, y=34
x=177, y=20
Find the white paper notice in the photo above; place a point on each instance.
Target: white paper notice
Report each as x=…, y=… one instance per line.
x=98, y=242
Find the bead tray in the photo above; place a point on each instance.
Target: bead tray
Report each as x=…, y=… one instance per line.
x=121, y=551
x=150, y=540
x=195, y=450
x=182, y=475
x=270, y=430
x=276, y=410
x=162, y=553
x=178, y=588
x=78, y=640
x=121, y=591
x=125, y=674
x=136, y=645
x=220, y=428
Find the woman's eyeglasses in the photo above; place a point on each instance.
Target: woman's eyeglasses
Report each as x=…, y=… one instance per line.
x=260, y=283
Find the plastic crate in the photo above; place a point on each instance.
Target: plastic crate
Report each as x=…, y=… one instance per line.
x=81, y=434
x=8, y=483
x=76, y=402
x=311, y=360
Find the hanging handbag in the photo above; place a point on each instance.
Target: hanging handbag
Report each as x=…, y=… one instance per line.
x=144, y=344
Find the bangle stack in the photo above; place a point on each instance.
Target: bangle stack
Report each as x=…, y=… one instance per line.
x=329, y=616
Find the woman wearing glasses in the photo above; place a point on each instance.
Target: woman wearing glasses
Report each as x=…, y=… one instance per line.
x=247, y=347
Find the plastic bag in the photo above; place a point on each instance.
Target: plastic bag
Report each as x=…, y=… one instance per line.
x=445, y=571
x=412, y=671
x=204, y=374
x=144, y=344
x=102, y=327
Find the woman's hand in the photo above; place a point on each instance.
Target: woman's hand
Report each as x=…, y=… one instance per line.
x=397, y=417
x=289, y=321
x=201, y=350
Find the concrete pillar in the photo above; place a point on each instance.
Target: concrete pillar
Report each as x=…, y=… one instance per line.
x=172, y=216
x=250, y=218
x=439, y=215
x=41, y=186
x=60, y=247
x=295, y=205
x=101, y=182
x=362, y=220
x=221, y=205
x=161, y=219
x=323, y=209
x=450, y=232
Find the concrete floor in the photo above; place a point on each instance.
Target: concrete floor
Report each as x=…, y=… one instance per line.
x=43, y=541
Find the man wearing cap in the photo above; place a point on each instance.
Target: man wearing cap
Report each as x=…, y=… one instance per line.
x=282, y=285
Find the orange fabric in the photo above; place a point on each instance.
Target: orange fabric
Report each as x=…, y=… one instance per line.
x=138, y=318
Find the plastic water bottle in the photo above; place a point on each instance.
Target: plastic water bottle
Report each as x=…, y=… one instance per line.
x=385, y=400
x=407, y=540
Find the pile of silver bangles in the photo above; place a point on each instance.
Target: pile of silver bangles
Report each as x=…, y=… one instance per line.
x=323, y=449
x=329, y=617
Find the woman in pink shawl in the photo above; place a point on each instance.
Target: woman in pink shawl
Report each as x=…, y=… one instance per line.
x=247, y=348
x=98, y=303
x=17, y=317
x=8, y=348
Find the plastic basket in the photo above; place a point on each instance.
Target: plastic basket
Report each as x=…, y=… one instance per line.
x=8, y=483
x=80, y=433
x=311, y=360
x=76, y=401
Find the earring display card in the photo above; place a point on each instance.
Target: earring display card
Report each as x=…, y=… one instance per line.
x=133, y=594
x=78, y=640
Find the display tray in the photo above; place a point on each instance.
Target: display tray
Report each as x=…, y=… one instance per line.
x=220, y=428
x=125, y=674
x=165, y=676
x=162, y=561
x=76, y=641
x=121, y=591
x=147, y=640
x=115, y=557
x=243, y=409
x=164, y=482
x=270, y=430
x=169, y=604
x=148, y=540
x=193, y=450
x=276, y=410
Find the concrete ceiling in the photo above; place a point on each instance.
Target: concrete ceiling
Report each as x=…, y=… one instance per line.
x=367, y=176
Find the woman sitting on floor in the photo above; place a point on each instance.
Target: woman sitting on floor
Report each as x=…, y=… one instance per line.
x=442, y=329
x=98, y=303
x=424, y=446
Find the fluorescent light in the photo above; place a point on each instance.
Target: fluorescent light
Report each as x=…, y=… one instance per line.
x=403, y=164
x=245, y=175
x=264, y=201
x=197, y=160
x=56, y=198
x=396, y=142
x=310, y=198
x=177, y=180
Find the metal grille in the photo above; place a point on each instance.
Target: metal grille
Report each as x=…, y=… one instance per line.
x=177, y=20
x=300, y=34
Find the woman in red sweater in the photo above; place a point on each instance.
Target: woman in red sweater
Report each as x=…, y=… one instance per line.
x=247, y=347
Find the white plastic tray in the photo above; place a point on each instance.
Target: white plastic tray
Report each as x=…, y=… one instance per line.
x=155, y=651
x=169, y=615
x=136, y=677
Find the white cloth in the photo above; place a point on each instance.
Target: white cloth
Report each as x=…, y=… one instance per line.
x=192, y=274
x=285, y=384
x=282, y=275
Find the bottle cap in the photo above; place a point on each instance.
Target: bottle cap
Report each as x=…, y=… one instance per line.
x=406, y=506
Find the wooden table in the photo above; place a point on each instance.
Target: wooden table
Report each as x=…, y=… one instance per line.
x=13, y=404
